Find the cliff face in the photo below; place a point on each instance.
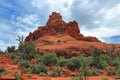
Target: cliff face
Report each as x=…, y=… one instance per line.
x=55, y=25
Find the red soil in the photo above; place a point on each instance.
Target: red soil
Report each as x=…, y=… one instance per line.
x=100, y=78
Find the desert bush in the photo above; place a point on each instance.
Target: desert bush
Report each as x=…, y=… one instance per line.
x=38, y=68
x=115, y=61
x=49, y=59
x=17, y=60
x=29, y=72
x=73, y=63
x=10, y=49
x=85, y=68
x=103, y=64
x=42, y=74
x=76, y=78
x=26, y=48
x=24, y=64
x=61, y=61
x=117, y=76
x=18, y=75
x=3, y=71
x=48, y=43
x=111, y=71
x=118, y=71
x=80, y=57
x=94, y=72
x=97, y=60
x=39, y=57
x=55, y=72
x=105, y=78
x=107, y=58
x=12, y=55
x=1, y=52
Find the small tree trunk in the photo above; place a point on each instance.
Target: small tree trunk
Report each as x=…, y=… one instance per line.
x=85, y=77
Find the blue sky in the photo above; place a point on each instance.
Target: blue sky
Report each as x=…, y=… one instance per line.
x=100, y=18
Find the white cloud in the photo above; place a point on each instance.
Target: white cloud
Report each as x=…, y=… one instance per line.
x=2, y=45
x=29, y=19
x=61, y=6
x=101, y=32
x=7, y=36
x=96, y=22
x=106, y=26
x=113, y=12
x=25, y=23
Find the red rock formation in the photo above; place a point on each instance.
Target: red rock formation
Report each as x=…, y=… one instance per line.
x=55, y=19
x=56, y=25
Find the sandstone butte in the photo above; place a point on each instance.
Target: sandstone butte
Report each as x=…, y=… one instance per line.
x=66, y=40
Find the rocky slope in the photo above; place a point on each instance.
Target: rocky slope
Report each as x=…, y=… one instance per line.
x=65, y=39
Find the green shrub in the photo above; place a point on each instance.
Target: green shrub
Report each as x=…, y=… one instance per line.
x=18, y=75
x=114, y=61
x=17, y=60
x=49, y=59
x=55, y=72
x=24, y=64
x=12, y=55
x=48, y=43
x=111, y=71
x=29, y=72
x=105, y=78
x=106, y=57
x=97, y=60
x=90, y=73
x=61, y=61
x=85, y=68
x=42, y=74
x=26, y=48
x=3, y=71
x=76, y=78
x=73, y=63
x=38, y=68
x=103, y=64
x=39, y=57
x=94, y=72
x=118, y=72
x=10, y=49
x=1, y=52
